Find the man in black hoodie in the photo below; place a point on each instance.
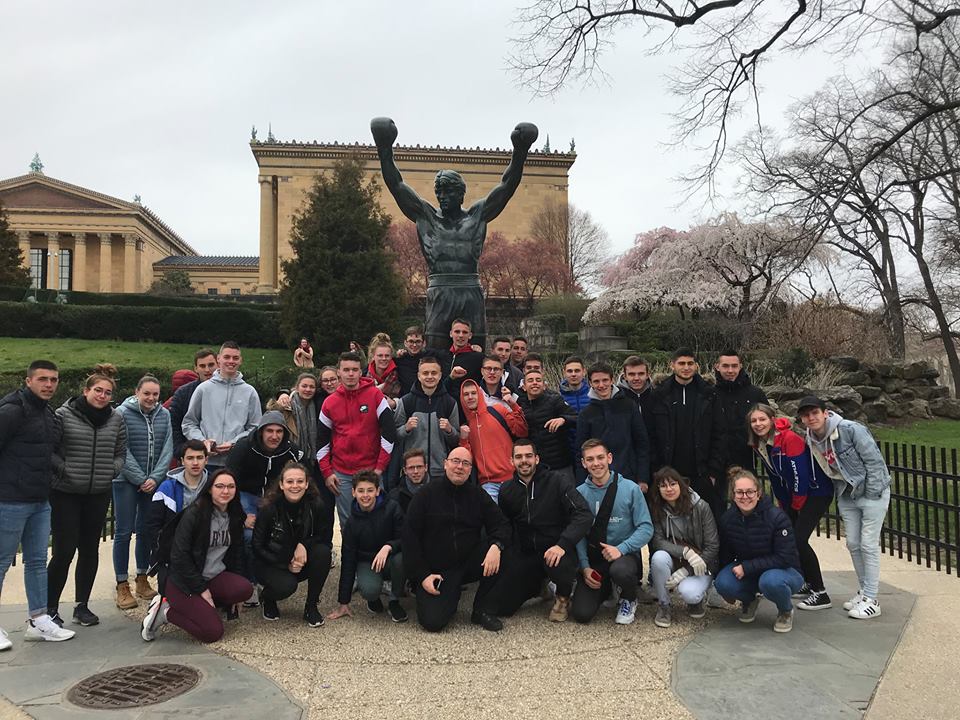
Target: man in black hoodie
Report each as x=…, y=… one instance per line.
x=635, y=384
x=614, y=418
x=736, y=395
x=548, y=420
x=443, y=548
x=257, y=460
x=548, y=517
x=690, y=429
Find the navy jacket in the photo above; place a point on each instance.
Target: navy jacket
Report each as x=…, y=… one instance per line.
x=29, y=432
x=363, y=536
x=618, y=423
x=760, y=541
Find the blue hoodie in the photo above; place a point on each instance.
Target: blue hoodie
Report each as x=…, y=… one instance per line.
x=630, y=527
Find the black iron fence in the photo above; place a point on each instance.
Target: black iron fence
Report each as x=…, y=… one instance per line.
x=923, y=521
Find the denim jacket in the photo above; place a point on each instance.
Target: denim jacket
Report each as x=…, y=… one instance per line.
x=859, y=459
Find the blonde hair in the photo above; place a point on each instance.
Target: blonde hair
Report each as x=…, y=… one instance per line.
x=381, y=339
x=739, y=473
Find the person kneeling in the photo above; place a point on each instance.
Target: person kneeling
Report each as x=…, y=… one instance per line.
x=371, y=549
x=685, y=544
x=758, y=552
x=206, y=559
x=443, y=548
x=288, y=545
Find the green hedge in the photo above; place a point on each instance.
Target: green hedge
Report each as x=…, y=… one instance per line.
x=168, y=324
x=17, y=294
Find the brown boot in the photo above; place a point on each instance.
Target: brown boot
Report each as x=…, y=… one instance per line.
x=125, y=599
x=560, y=610
x=144, y=590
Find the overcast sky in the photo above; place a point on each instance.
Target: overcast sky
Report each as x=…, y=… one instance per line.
x=157, y=99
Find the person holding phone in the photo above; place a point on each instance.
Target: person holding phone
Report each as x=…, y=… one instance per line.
x=443, y=547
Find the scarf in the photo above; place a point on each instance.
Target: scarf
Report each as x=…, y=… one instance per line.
x=97, y=417
x=460, y=351
x=389, y=375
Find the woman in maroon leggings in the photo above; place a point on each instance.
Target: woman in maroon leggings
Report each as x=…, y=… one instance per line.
x=206, y=560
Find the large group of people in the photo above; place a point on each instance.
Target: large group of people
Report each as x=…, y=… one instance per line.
x=442, y=468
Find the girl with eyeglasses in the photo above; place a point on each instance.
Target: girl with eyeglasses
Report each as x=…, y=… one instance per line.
x=91, y=454
x=685, y=545
x=758, y=552
x=206, y=562
x=803, y=491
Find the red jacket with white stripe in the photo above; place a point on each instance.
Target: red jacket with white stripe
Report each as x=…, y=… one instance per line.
x=356, y=430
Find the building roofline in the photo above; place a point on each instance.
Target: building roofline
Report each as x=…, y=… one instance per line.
x=133, y=207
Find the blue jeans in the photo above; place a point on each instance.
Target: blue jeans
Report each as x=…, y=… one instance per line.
x=130, y=508
x=344, y=497
x=27, y=524
x=250, y=504
x=862, y=523
x=776, y=585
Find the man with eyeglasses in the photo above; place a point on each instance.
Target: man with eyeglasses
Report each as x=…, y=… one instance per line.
x=444, y=546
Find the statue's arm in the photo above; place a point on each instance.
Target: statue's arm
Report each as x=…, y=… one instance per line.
x=523, y=136
x=384, y=135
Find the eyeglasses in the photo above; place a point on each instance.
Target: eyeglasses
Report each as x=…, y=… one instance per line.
x=414, y=468
x=221, y=486
x=102, y=391
x=745, y=493
x=458, y=461
x=414, y=342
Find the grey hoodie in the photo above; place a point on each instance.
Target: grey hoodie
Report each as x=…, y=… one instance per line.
x=222, y=410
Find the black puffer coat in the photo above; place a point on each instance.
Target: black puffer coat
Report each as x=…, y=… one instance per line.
x=29, y=432
x=760, y=541
x=552, y=447
x=89, y=457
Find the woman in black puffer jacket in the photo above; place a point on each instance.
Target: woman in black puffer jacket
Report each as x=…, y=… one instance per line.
x=288, y=542
x=91, y=454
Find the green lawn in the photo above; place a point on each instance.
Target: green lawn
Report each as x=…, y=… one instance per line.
x=939, y=433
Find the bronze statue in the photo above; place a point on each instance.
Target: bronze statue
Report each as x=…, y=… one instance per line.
x=451, y=238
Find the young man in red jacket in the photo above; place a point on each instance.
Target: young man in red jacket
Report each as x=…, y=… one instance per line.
x=356, y=432
x=489, y=434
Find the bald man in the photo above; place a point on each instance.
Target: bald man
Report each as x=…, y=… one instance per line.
x=443, y=548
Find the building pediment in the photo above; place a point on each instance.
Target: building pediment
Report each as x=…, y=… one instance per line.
x=41, y=193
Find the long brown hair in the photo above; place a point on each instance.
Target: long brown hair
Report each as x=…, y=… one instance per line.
x=274, y=492
x=658, y=505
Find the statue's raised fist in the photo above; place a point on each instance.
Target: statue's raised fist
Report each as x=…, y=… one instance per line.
x=384, y=131
x=524, y=135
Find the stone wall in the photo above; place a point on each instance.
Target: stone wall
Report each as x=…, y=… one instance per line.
x=876, y=392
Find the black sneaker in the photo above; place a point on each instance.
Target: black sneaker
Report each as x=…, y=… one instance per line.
x=55, y=616
x=487, y=621
x=83, y=616
x=312, y=615
x=397, y=613
x=804, y=590
x=816, y=600
x=375, y=606
x=270, y=610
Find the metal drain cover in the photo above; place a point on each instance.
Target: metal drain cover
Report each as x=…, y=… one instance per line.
x=133, y=686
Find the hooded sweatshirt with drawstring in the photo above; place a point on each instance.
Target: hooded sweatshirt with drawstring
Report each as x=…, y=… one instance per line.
x=849, y=455
x=490, y=440
x=222, y=409
x=255, y=466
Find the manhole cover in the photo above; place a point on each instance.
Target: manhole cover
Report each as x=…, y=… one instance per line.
x=133, y=686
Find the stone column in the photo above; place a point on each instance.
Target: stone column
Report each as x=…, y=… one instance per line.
x=80, y=261
x=23, y=236
x=130, y=263
x=106, y=263
x=53, y=260
x=267, y=282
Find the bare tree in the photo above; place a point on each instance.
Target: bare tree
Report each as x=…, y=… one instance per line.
x=585, y=244
x=727, y=41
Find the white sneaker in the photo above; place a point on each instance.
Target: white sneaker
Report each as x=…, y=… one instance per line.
x=855, y=600
x=44, y=628
x=5, y=643
x=627, y=612
x=156, y=617
x=865, y=609
x=614, y=597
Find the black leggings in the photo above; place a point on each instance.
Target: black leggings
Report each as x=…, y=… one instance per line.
x=434, y=612
x=76, y=525
x=804, y=523
x=279, y=583
x=521, y=575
